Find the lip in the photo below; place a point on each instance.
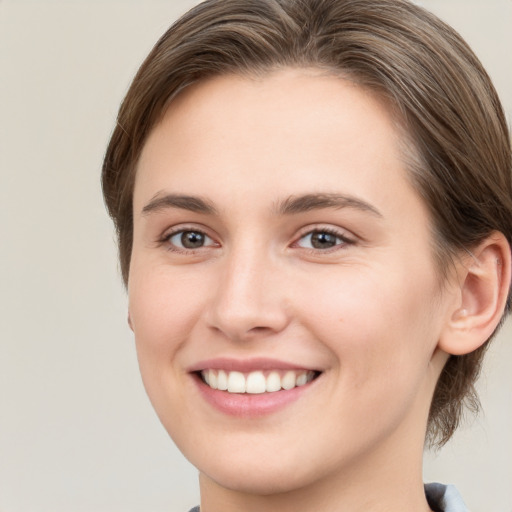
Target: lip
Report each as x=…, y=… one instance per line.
x=245, y=405
x=246, y=365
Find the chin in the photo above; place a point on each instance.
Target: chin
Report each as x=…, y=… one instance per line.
x=263, y=472
x=261, y=481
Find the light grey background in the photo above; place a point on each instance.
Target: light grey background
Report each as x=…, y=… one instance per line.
x=76, y=430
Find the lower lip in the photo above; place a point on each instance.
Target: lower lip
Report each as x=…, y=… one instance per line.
x=248, y=405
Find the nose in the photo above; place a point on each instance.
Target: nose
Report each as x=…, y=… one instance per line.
x=250, y=300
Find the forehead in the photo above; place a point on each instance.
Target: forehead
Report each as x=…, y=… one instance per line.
x=292, y=131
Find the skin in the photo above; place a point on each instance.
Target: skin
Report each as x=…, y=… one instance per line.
x=368, y=312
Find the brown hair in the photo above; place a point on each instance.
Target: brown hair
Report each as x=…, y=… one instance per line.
x=444, y=99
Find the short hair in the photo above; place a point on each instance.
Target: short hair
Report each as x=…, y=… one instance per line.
x=457, y=141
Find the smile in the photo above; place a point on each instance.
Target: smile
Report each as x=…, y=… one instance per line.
x=256, y=382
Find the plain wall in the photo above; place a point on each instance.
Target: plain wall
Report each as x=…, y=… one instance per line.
x=77, y=432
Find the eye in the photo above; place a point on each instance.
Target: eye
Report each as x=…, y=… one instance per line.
x=322, y=239
x=189, y=239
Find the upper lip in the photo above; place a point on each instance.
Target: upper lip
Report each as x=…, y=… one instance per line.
x=247, y=365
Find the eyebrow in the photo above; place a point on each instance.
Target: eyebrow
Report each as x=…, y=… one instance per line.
x=191, y=203
x=289, y=206
x=308, y=202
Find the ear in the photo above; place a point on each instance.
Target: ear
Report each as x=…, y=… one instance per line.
x=130, y=320
x=483, y=281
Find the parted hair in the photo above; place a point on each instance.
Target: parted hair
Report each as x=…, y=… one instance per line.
x=456, y=140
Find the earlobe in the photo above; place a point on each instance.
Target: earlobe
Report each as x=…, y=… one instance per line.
x=484, y=280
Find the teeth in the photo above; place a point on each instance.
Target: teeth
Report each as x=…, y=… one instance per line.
x=236, y=382
x=288, y=381
x=222, y=380
x=273, y=382
x=212, y=379
x=255, y=382
x=302, y=379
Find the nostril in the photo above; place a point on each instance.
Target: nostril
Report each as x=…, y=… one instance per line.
x=259, y=329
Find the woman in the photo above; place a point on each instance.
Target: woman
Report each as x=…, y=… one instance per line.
x=313, y=201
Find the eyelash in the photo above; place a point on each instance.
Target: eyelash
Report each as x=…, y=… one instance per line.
x=166, y=239
x=343, y=240
x=339, y=235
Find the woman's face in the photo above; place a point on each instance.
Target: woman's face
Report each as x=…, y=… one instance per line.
x=280, y=249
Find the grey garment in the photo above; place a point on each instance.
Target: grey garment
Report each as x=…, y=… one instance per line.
x=444, y=498
x=441, y=498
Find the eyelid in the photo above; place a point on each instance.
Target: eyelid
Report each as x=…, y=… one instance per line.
x=181, y=231
x=164, y=239
x=345, y=236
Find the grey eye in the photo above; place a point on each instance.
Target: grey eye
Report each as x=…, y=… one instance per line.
x=320, y=240
x=190, y=239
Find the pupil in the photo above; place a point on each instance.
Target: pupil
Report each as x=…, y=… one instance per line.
x=192, y=239
x=322, y=240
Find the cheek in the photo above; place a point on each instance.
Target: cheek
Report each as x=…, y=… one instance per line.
x=378, y=326
x=164, y=311
x=163, y=308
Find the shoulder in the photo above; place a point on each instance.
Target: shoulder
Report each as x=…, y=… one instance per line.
x=443, y=498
